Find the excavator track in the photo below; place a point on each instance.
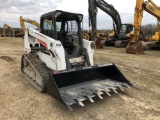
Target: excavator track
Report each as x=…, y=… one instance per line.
x=120, y=44
x=35, y=71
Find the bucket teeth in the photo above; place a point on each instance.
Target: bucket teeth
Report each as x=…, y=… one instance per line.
x=114, y=90
x=107, y=93
x=90, y=99
x=79, y=94
x=89, y=95
x=80, y=102
x=121, y=88
x=99, y=94
x=126, y=86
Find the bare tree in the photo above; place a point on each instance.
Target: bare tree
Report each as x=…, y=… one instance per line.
x=149, y=29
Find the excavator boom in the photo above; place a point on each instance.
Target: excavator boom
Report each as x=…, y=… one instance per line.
x=107, y=8
x=23, y=20
x=4, y=30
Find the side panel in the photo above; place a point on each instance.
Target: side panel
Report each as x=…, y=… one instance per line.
x=55, y=47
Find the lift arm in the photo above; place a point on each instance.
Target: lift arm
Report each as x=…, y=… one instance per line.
x=135, y=46
x=107, y=8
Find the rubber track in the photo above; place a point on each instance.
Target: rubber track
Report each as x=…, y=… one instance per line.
x=40, y=69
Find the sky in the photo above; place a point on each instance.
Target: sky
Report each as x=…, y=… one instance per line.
x=11, y=10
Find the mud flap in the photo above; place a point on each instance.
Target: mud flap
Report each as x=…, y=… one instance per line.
x=77, y=85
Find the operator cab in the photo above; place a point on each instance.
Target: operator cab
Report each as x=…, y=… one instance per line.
x=125, y=29
x=65, y=27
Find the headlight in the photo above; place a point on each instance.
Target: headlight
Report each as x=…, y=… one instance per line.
x=93, y=45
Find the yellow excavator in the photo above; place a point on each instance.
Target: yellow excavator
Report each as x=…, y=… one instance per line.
x=156, y=36
x=135, y=46
x=100, y=34
x=23, y=20
x=111, y=34
x=15, y=32
x=88, y=34
x=85, y=35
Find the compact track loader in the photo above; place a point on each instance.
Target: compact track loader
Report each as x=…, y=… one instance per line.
x=59, y=62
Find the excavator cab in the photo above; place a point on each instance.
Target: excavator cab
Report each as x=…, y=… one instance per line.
x=124, y=36
x=125, y=30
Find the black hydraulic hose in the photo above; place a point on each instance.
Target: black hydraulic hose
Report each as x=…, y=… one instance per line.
x=87, y=57
x=68, y=65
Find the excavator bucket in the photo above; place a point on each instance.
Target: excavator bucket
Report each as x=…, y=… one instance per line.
x=135, y=47
x=3, y=35
x=100, y=43
x=78, y=85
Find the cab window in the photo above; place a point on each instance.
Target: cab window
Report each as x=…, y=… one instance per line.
x=58, y=26
x=47, y=24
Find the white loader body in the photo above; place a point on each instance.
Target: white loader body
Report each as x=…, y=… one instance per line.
x=56, y=60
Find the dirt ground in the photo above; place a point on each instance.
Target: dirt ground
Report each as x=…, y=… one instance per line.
x=20, y=101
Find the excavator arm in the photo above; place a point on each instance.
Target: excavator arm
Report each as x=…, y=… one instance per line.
x=4, y=30
x=107, y=8
x=155, y=11
x=23, y=20
x=135, y=45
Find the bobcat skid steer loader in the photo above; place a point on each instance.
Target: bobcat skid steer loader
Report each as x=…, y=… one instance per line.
x=58, y=61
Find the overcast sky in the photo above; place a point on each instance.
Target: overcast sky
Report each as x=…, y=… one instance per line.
x=10, y=10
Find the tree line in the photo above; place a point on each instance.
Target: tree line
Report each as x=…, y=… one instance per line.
x=147, y=30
